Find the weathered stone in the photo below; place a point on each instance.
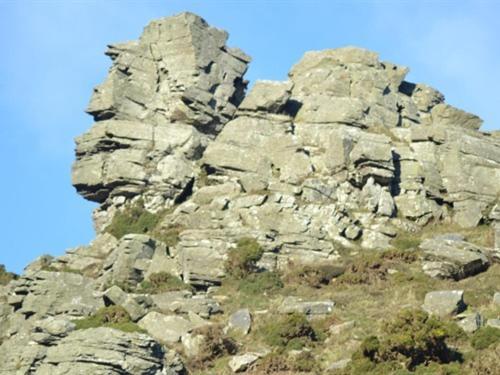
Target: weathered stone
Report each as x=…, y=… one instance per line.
x=339, y=365
x=470, y=323
x=310, y=308
x=184, y=302
x=240, y=321
x=269, y=96
x=451, y=257
x=130, y=261
x=338, y=329
x=53, y=293
x=446, y=115
x=103, y=351
x=444, y=302
x=496, y=299
x=179, y=73
x=167, y=328
x=116, y=296
x=241, y=362
x=495, y=323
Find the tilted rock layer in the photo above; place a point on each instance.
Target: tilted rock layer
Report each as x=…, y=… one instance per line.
x=343, y=154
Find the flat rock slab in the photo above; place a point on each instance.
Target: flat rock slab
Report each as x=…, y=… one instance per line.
x=309, y=308
x=444, y=302
x=449, y=256
x=103, y=351
x=240, y=363
x=167, y=328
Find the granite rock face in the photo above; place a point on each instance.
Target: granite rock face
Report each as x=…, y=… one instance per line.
x=166, y=95
x=344, y=155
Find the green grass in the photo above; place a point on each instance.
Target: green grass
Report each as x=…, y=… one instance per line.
x=112, y=317
x=162, y=282
x=485, y=337
x=260, y=283
x=288, y=332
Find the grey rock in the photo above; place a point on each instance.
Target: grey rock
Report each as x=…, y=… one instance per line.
x=494, y=323
x=496, y=299
x=451, y=257
x=240, y=363
x=444, y=114
x=179, y=76
x=130, y=261
x=339, y=365
x=240, y=321
x=444, y=302
x=310, y=308
x=168, y=328
x=103, y=351
x=116, y=296
x=470, y=323
x=52, y=293
x=268, y=96
x=338, y=329
x=184, y=302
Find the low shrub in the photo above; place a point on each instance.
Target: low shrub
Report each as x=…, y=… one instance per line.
x=134, y=219
x=303, y=362
x=169, y=236
x=6, y=277
x=364, y=270
x=161, y=282
x=111, y=316
x=214, y=345
x=412, y=338
x=314, y=276
x=259, y=283
x=242, y=260
x=291, y=331
x=485, y=337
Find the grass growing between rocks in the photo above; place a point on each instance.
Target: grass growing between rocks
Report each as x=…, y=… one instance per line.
x=215, y=345
x=372, y=290
x=162, y=282
x=134, y=219
x=112, y=317
x=242, y=260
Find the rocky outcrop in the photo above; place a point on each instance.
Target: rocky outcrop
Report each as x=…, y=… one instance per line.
x=165, y=97
x=343, y=156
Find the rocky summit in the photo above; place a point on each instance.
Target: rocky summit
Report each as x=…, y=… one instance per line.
x=342, y=221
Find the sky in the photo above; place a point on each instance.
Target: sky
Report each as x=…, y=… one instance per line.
x=52, y=57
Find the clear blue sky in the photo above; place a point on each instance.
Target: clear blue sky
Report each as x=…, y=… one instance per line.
x=52, y=56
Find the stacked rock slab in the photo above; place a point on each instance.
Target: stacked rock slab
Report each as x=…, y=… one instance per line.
x=345, y=150
x=165, y=97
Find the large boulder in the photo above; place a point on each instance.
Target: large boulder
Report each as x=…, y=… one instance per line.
x=450, y=256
